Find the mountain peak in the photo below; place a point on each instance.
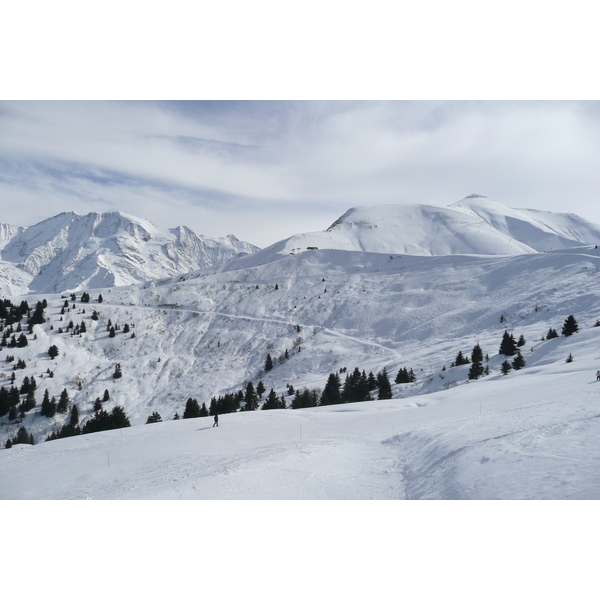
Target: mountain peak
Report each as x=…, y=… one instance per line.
x=71, y=252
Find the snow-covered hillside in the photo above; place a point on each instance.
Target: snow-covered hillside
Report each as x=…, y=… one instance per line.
x=475, y=225
x=74, y=252
x=528, y=434
x=209, y=333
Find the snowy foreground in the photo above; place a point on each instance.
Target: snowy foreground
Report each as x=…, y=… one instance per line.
x=529, y=435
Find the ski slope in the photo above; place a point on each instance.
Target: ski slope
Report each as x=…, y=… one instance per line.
x=529, y=435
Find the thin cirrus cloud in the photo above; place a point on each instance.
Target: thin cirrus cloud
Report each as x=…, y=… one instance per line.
x=265, y=170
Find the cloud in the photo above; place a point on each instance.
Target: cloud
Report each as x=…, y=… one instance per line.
x=265, y=170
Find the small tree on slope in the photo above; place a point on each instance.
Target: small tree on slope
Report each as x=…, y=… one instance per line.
x=570, y=326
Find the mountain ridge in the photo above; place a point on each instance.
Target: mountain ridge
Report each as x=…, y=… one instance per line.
x=71, y=252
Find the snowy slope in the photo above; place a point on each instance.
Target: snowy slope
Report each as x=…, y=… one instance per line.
x=475, y=225
x=529, y=435
x=208, y=332
x=75, y=252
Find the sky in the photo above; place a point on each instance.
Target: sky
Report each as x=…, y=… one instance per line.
x=264, y=170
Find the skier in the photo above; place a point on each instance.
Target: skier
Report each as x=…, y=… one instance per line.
x=216, y=423
x=597, y=375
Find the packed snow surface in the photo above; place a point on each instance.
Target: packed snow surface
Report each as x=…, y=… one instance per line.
x=526, y=436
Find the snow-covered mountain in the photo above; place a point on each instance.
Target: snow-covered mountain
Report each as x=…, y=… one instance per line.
x=528, y=434
x=475, y=225
x=71, y=252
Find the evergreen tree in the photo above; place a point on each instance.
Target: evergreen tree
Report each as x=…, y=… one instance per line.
x=332, y=391
x=97, y=404
x=518, y=362
x=63, y=402
x=271, y=402
x=53, y=351
x=154, y=418
x=74, y=418
x=119, y=418
x=476, y=370
x=100, y=299
x=569, y=358
x=260, y=389
x=405, y=376
x=111, y=332
x=126, y=328
x=306, y=398
x=552, y=333
x=268, y=363
x=22, y=437
x=385, y=388
x=521, y=341
x=118, y=373
x=176, y=417
x=106, y=396
x=203, y=410
x=250, y=398
x=570, y=326
x=508, y=346
x=38, y=316
x=192, y=409
x=460, y=359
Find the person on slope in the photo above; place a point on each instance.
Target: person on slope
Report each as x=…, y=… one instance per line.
x=216, y=423
x=597, y=375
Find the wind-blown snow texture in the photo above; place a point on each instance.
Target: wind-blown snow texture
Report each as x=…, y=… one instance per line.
x=71, y=252
x=530, y=434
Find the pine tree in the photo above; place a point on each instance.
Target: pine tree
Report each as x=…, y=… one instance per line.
x=250, y=398
x=460, y=359
x=268, y=363
x=271, y=402
x=570, y=326
x=105, y=396
x=385, y=388
x=97, y=404
x=518, y=362
x=521, y=341
x=569, y=358
x=74, y=418
x=63, y=402
x=192, y=409
x=476, y=370
x=154, y=418
x=552, y=333
x=119, y=418
x=508, y=346
x=53, y=351
x=111, y=332
x=100, y=299
x=118, y=373
x=331, y=393
x=260, y=388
